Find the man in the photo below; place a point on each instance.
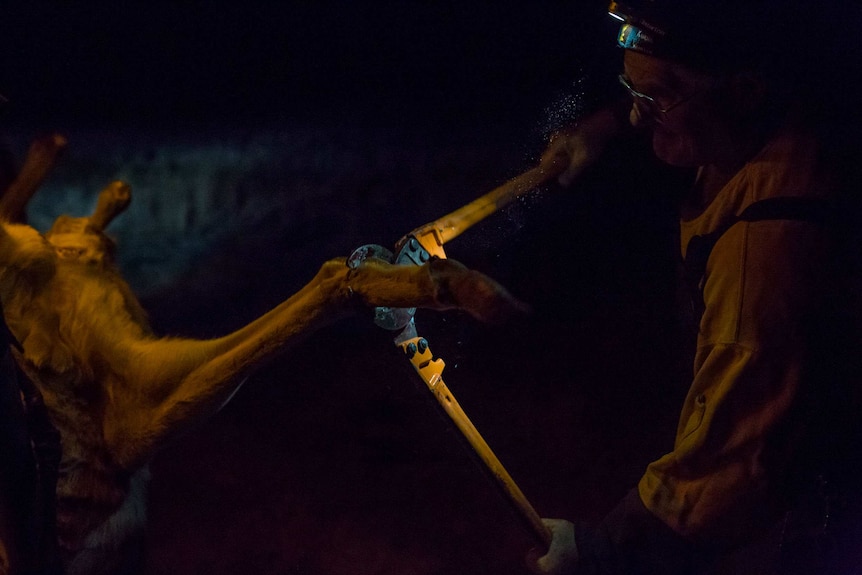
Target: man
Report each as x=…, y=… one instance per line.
x=758, y=474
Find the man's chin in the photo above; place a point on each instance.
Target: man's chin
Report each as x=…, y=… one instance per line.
x=671, y=152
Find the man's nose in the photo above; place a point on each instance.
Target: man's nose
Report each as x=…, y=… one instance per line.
x=642, y=117
x=636, y=117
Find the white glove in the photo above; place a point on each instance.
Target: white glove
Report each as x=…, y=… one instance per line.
x=561, y=556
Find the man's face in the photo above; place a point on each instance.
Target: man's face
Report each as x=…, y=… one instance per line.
x=693, y=130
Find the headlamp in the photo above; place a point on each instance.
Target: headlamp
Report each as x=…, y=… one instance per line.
x=633, y=38
x=636, y=32
x=710, y=36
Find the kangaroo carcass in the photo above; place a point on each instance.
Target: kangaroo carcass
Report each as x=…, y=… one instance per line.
x=116, y=392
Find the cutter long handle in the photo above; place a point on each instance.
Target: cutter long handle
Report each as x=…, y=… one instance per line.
x=431, y=372
x=433, y=235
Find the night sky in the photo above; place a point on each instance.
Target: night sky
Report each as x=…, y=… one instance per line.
x=208, y=61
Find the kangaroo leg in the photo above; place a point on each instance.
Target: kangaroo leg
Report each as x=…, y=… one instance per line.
x=178, y=383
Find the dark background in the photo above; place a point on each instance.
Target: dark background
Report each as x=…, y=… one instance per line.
x=182, y=63
x=373, y=118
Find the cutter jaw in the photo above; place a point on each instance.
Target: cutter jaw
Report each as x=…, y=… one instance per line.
x=410, y=252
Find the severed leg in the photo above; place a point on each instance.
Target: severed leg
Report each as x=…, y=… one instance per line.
x=170, y=385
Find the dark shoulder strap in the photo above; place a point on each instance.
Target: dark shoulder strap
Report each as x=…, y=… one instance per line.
x=814, y=210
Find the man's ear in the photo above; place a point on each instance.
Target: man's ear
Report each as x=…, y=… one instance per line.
x=748, y=91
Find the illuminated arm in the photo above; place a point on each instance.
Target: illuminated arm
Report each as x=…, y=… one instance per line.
x=568, y=154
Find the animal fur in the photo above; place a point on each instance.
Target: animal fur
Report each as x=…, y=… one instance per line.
x=116, y=392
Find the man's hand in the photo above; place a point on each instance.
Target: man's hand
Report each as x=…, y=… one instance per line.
x=562, y=555
x=574, y=149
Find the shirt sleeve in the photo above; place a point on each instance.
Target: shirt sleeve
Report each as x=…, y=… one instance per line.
x=722, y=481
x=744, y=413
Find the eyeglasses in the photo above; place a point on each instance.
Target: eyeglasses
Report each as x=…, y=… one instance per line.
x=650, y=104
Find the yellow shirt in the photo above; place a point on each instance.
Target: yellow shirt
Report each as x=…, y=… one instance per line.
x=737, y=429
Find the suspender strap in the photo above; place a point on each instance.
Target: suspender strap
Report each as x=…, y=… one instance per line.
x=814, y=210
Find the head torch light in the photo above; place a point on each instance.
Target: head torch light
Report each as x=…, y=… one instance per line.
x=710, y=36
x=637, y=33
